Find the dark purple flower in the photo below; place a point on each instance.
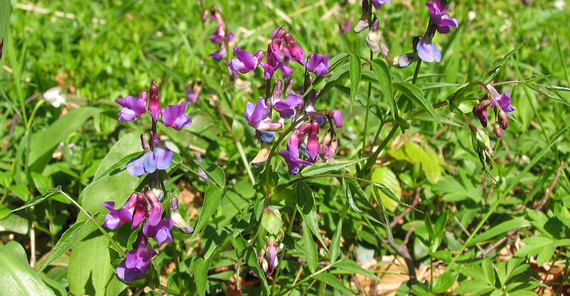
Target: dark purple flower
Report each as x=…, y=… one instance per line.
x=285, y=69
x=378, y=3
x=155, y=226
x=442, y=21
x=504, y=100
x=134, y=210
x=218, y=55
x=256, y=116
x=137, y=262
x=295, y=139
x=286, y=107
x=193, y=94
x=243, y=62
x=173, y=116
x=133, y=107
x=271, y=253
x=345, y=26
x=319, y=64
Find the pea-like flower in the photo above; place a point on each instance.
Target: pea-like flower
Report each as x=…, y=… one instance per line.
x=156, y=157
x=504, y=102
x=244, y=61
x=378, y=3
x=319, y=64
x=439, y=22
x=133, y=107
x=173, y=116
x=256, y=116
x=287, y=106
x=155, y=226
x=134, y=211
x=137, y=262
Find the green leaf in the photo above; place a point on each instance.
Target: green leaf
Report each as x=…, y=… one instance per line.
x=214, y=172
x=39, y=199
x=489, y=76
x=43, y=145
x=212, y=199
x=355, y=74
x=90, y=271
x=415, y=94
x=444, y=282
x=18, y=278
x=499, y=229
x=201, y=274
x=473, y=287
x=67, y=240
x=385, y=176
x=383, y=74
x=4, y=26
x=310, y=249
x=335, y=242
x=323, y=168
x=353, y=267
x=307, y=209
x=332, y=281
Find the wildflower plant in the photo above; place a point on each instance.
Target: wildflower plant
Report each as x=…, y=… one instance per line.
x=285, y=153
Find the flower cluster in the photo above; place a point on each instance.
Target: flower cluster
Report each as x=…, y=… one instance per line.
x=140, y=209
x=303, y=145
x=494, y=99
x=220, y=35
x=144, y=210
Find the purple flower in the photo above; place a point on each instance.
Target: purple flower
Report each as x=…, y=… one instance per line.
x=194, y=94
x=159, y=158
x=313, y=141
x=504, y=100
x=173, y=116
x=137, y=262
x=285, y=69
x=378, y=3
x=133, y=107
x=427, y=51
x=318, y=64
x=293, y=162
x=442, y=21
x=134, y=210
x=243, y=62
x=345, y=26
x=271, y=253
x=286, y=107
x=256, y=116
x=218, y=55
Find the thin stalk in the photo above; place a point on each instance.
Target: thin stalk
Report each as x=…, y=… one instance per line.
x=245, y=162
x=372, y=158
x=235, y=205
x=276, y=278
x=364, y=131
x=103, y=231
x=416, y=72
x=196, y=174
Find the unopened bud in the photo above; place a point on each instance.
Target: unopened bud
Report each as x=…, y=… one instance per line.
x=175, y=216
x=262, y=155
x=503, y=120
x=262, y=262
x=271, y=254
x=481, y=105
x=361, y=25
x=154, y=104
x=498, y=130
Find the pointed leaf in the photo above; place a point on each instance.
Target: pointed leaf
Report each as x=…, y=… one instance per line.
x=332, y=281
x=212, y=199
x=67, y=240
x=383, y=74
x=415, y=94
x=310, y=249
x=307, y=209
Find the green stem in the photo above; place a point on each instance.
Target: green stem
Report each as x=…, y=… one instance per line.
x=196, y=174
x=228, y=196
x=275, y=279
x=416, y=72
x=105, y=233
x=364, y=131
x=245, y=161
x=372, y=158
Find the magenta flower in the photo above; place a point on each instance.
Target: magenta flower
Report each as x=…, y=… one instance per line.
x=243, y=62
x=137, y=262
x=256, y=116
x=319, y=64
x=154, y=103
x=336, y=116
x=173, y=116
x=133, y=107
x=493, y=99
x=313, y=141
x=378, y=3
x=155, y=226
x=134, y=210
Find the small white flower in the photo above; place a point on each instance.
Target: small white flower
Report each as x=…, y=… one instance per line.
x=54, y=97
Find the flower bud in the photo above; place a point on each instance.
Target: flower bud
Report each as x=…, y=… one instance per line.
x=154, y=104
x=262, y=262
x=271, y=254
x=271, y=221
x=175, y=216
x=503, y=119
x=498, y=130
x=262, y=155
x=313, y=141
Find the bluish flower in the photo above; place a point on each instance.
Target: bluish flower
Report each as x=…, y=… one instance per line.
x=442, y=21
x=378, y=3
x=157, y=157
x=287, y=106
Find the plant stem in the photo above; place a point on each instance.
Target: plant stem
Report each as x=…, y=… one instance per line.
x=276, y=278
x=364, y=131
x=416, y=72
x=105, y=233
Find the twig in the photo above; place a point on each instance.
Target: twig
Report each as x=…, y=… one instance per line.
x=549, y=189
x=466, y=231
x=296, y=279
x=498, y=243
x=407, y=210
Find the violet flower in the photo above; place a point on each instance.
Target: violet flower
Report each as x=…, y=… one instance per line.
x=134, y=210
x=157, y=157
x=154, y=103
x=244, y=61
x=504, y=106
x=287, y=106
x=293, y=163
x=137, y=262
x=439, y=22
x=336, y=116
x=193, y=95
x=256, y=116
x=173, y=116
x=319, y=64
x=133, y=107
